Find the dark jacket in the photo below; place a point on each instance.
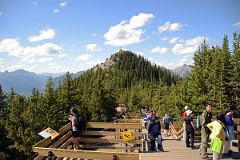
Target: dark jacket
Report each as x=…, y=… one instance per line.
x=154, y=128
x=205, y=119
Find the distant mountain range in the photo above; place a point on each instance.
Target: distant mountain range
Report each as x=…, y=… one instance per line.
x=23, y=81
x=183, y=71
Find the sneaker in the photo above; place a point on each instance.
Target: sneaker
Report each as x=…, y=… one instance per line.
x=205, y=157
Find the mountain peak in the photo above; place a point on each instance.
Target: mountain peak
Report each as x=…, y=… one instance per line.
x=183, y=71
x=20, y=71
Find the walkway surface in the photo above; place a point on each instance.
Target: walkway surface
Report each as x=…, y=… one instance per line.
x=176, y=150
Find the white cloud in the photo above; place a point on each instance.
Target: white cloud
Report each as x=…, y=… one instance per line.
x=51, y=64
x=172, y=65
x=55, y=10
x=63, y=4
x=46, y=49
x=127, y=33
x=140, y=20
x=174, y=40
x=30, y=54
x=189, y=46
x=44, y=34
x=171, y=40
x=168, y=26
x=93, y=48
x=35, y=3
x=161, y=50
x=11, y=46
x=140, y=53
x=84, y=57
x=15, y=67
x=1, y=60
x=85, y=66
x=58, y=68
x=0, y=13
x=62, y=55
x=237, y=24
x=186, y=59
x=151, y=60
x=45, y=60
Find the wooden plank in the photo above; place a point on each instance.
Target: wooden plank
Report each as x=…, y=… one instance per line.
x=180, y=131
x=60, y=141
x=173, y=130
x=66, y=144
x=44, y=143
x=65, y=128
x=114, y=125
x=108, y=133
x=86, y=154
x=130, y=120
x=99, y=140
x=236, y=120
x=108, y=147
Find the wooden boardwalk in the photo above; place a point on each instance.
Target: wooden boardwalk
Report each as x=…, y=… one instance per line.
x=176, y=150
x=61, y=147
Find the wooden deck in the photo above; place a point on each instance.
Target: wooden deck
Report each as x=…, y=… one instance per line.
x=176, y=150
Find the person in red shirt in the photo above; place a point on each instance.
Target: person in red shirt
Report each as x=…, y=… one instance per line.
x=184, y=115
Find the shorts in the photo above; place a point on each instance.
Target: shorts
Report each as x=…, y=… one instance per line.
x=76, y=133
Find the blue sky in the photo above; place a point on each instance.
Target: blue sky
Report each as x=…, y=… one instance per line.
x=73, y=35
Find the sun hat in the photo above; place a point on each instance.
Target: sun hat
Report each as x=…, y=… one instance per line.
x=188, y=112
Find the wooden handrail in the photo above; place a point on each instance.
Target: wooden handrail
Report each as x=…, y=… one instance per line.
x=86, y=154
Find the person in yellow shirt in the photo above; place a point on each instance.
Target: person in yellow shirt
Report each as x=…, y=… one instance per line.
x=217, y=128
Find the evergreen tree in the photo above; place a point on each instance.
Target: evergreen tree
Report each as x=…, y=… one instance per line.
x=3, y=103
x=235, y=72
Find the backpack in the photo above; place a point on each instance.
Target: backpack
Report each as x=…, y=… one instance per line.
x=81, y=124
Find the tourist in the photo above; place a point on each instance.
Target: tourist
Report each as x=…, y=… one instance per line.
x=189, y=129
x=154, y=131
x=76, y=130
x=166, y=121
x=149, y=118
x=184, y=115
x=206, y=117
x=217, y=129
x=229, y=131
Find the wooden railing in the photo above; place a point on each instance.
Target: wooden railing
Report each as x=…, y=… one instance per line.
x=236, y=142
x=98, y=135
x=174, y=132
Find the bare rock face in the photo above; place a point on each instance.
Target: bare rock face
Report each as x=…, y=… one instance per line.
x=183, y=71
x=107, y=64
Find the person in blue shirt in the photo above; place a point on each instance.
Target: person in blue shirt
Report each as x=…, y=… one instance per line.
x=149, y=118
x=74, y=118
x=154, y=131
x=166, y=121
x=229, y=129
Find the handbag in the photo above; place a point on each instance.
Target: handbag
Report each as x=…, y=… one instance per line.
x=216, y=145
